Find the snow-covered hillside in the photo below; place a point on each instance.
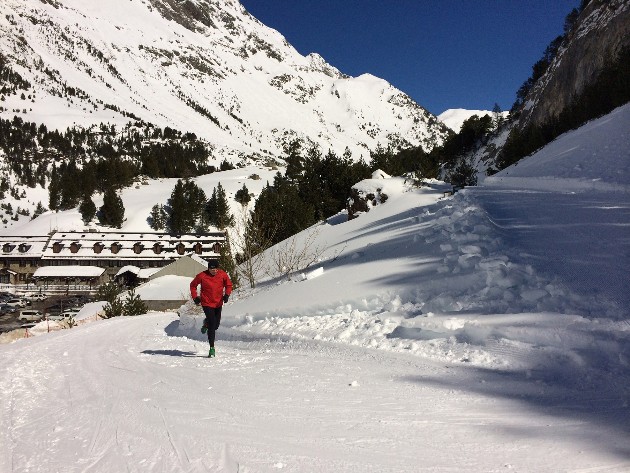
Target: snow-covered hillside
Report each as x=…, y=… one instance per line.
x=138, y=201
x=203, y=66
x=487, y=331
x=454, y=118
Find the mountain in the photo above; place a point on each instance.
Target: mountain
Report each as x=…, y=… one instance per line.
x=202, y=66
x=454, y=118
x=595, y=37
x=583, y=74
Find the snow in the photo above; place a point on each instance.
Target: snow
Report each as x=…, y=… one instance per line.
x=454, y=118
x=68, y=271
x=487, y=331
x=250, y=79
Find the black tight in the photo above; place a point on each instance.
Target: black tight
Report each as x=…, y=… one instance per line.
x=213, y=320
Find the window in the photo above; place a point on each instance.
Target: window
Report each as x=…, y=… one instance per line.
x=180, y=248
x=216, y=248
x=74, y=247
x=57, y=247
x=6, y=248
x=197, y=248
x=116, y=247
x=157, y=248
x=98, y=247
x=137, y=248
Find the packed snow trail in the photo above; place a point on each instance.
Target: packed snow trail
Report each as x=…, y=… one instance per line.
x=124, y=395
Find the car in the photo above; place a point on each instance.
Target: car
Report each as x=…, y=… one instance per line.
x=16, y=302
x=30, y=315
x=7, y=309
x=62, y=316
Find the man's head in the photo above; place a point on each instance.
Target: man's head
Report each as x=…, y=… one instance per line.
x=213, y=266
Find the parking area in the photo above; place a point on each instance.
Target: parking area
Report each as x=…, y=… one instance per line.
x=11, y=305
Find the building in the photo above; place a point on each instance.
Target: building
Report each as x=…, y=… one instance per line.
x=21, y=256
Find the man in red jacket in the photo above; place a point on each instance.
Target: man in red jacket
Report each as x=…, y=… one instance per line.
x=216, y=288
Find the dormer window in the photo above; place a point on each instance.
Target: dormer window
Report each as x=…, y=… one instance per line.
x=157, y=248
x=74, y=247
x=115, y=248
x=23, y=248
x=180, y=248
x=98, y=247
x=216, y=248
x=7, y=248
x=197, y=248
x=57, y=247
x=137, y=248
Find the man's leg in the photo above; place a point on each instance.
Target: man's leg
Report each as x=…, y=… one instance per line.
x=217, y=317
x=211, y=322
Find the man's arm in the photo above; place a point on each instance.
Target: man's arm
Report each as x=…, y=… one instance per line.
x=193, y=287
x=227, y=283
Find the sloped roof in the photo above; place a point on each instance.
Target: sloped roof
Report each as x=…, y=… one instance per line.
x=68, y=272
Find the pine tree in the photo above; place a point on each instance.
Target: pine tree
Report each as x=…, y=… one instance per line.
x=134, y=305
x=87, y=209
x=187, y=204
x=54, y=195
x=157, y=219
x=39, y=209
x=179, y=219
x=225, y=218
x=112, y=212
x=114, y=308
x=218, y=209
x=242, y=196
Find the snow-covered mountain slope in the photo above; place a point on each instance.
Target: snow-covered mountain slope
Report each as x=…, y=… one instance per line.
x=473, y=333
x=454, y=118
x=204, y=66
x=138, y=201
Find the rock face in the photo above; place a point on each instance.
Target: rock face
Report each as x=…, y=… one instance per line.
x=601, y=31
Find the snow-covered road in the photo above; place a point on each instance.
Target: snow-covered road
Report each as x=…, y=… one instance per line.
x=124, y=395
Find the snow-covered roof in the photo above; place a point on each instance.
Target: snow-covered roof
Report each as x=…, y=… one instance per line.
x=22, y=246
x=130, y=245
x=198, y=259
x=142, y=273
x=68, y=271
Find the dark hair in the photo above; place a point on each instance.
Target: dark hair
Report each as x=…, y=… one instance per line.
x=213, y=264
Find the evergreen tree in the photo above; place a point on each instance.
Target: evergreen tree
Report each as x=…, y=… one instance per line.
x=158, y=217
x=294, y=160
x=134, y=305
x=54, y=195
x=39, y=209
x=187, y=204
x=218, y=209
x=107, y=292
x=280, y=212
x=112, y=212
x=242, y=196
x=87, y=209
x=114, y=308
x=224, y=217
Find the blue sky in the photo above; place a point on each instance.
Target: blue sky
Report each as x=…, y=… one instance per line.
x=443, y=53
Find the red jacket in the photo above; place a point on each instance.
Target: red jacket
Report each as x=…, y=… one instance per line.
x=211, y=287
